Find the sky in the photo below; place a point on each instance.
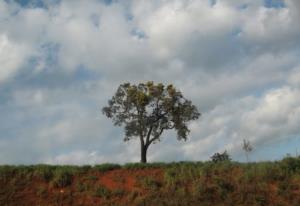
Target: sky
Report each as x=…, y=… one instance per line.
x=62, y=60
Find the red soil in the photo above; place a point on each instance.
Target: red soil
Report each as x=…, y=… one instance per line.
x=38, y=192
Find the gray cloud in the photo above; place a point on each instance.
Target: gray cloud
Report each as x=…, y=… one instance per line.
x=61, y=61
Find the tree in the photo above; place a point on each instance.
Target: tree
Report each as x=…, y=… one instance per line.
x=247, y=147
x=220, y=157
x=146, y=110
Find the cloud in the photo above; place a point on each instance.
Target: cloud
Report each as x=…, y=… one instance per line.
x=237, y=60
x=175, y=28
x=263, y=120
x=12, y=57
x=77, y=158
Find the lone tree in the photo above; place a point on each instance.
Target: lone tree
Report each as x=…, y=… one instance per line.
x=147, y=110
x=247, y=147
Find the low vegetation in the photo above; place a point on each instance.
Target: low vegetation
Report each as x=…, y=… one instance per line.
x=218, y=183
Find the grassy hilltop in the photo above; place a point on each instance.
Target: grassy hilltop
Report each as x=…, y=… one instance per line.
x=183, y=183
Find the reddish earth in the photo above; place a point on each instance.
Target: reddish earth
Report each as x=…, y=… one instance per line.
x=177, y=185
x=122, y=182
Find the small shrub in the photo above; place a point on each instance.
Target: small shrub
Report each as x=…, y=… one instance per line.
x=220, y=157
x=290, y=164
x=62, y=178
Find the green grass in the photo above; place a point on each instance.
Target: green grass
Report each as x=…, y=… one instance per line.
x=106, y=167
x=102, y=191
x=182, y=183
x=144, y=165
x=62, y=177
x=147, y=182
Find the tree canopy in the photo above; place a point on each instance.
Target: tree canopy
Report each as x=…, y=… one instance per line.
x=146, y=110
x=220, y=157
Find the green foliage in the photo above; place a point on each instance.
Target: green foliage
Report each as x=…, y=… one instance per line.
x=146, y=110
x=168, y=109
x=291, y=164
x=63, y=177
x=220, y=157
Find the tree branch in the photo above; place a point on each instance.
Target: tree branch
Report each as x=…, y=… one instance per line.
x=148, y=135
x=155, y=137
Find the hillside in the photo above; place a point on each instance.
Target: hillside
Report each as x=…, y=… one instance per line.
x=184, y=183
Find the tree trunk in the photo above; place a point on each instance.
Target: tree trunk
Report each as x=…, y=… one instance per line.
x=144, y=153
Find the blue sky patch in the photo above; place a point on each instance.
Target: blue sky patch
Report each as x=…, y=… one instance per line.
x=212, y=2
x=274, y=4
x=35, y=3
x=138, y=33
x=242, y=7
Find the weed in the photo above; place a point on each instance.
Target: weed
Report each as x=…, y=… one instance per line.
x=148, y=183
x=102, y=191
x=183, y=183
x=62, y=178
